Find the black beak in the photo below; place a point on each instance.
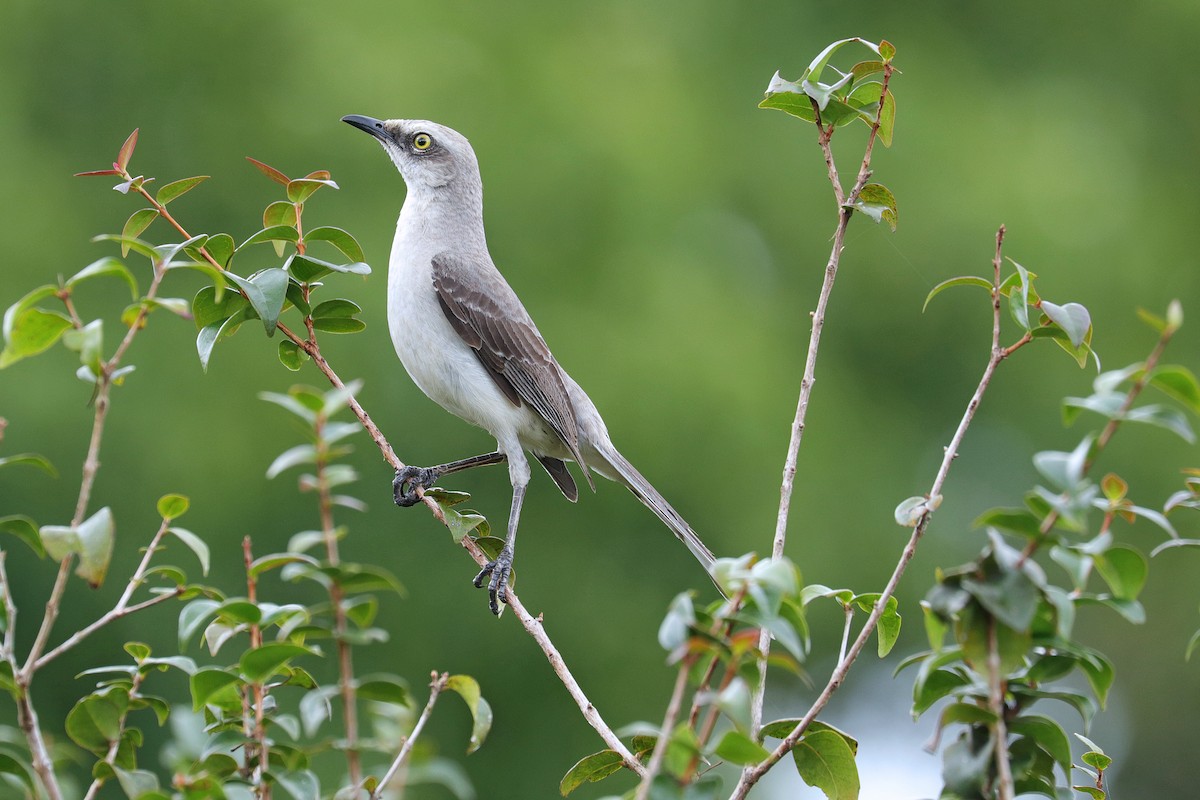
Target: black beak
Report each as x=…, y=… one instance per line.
x=369, y=124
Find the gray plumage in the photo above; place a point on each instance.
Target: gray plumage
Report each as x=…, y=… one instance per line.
x=469, y=344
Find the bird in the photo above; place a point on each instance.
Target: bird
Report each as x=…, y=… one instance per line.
x=468, y=343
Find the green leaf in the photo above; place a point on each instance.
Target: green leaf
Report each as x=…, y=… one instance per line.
x=340, y=239
x=137, y=783
x=1124, y=569
x=95, y=721
x=307, y=269
x=258, y=665
x=24, y=529
x=208, y=336
x=211, y=305
x=1179, y=383
x=88, y=341
x=301, y=189
x=676, y=625
x=30, y=460
x=104, y=267
x=1048, y=734
x=279, y=213
x=337, y=308
x=824, y=760
x=734, y=702
x=961, y=280
x=11, y=766
x=339, y=325
x=292, y=457
x=887, y=50
x=384, y=689
x=275, y=233
x=138, y=221
x=590, y=769
x=266, y=291
x=92, y=541
x=1071, y=317
x=877, y=202
x=126, y=151
x=211, y=685
x=276, y=560
x=195, y=543
x=738, y=748
x=172, y=506
x=1168, y=418
x=291, y=355
x=31, y=332
x=192, y=616
x=176, y=188
x=912, y=510
x=481, y=713
x=220, y=247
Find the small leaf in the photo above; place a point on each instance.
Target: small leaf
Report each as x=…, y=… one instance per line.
x=676, y=625
x=590, y=769
x=1124, y=569
x=95, y=721
x=172, y=506
x=1179, y=383
x=1071, y=317
x=738, y=748
x=126, y=151
x=258, y=665
x=92, y=541
x=138, y=221
x=468, y=688
x=291, y=355
x=276, y=560
x=340, y=239
x=269, y=171
x=301, y=189
x=207, y=683
x=24, y=529
x=887, y=50
x=275, y=233
x=266, y=291
x=193, y=616
x=31, y=332
x=195, y=543
x=877, y=202
x=30, y=460
x=281, y=212
x=335, y=309
x=911, y=511
x=307, y=269
x=824, y=760
x=176, y=188
x=339, y=325
x=102, y=267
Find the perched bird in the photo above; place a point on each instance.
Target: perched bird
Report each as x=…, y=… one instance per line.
x=470, y=345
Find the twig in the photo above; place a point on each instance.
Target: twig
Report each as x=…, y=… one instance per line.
x=8, y=648
x=810, y=363
x=110, y=757
x=435, y=688
x=262, y=787
x=753, y=774
x=848, y=610
x=337, y=601
x=996, y=704
x=664, y=736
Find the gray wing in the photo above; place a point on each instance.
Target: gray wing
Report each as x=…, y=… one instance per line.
x=485, y=311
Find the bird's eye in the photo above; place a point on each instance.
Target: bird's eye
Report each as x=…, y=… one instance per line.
x=422, y=142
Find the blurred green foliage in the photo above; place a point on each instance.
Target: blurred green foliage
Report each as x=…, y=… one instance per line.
x=668, y=237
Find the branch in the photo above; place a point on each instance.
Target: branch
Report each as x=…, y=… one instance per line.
x=435, y=688
x=664, y=736
x=751, y=775
x=996, y=704
x=810, y=362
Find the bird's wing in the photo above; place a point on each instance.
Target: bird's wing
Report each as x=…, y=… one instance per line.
x=489, y=317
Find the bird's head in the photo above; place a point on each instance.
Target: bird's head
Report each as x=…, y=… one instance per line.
x=426, y=153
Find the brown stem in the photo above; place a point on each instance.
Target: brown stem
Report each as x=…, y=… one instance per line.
x=751, y=775
x=337, y=600
x=259, y=731
x=435, y=688
x=810, y=363
x=664, y=736
x=996, y=704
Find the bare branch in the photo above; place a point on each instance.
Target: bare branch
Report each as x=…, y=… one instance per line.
x=664, y=736
x=435, y=688
x=996, y=704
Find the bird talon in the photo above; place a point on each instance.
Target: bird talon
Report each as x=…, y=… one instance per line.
x=408, y=481
x=499, y=570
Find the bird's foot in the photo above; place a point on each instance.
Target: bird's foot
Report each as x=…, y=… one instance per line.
x=499, y=570
x=408, y=481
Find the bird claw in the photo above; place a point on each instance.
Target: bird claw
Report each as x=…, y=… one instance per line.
x=499, y=569
x=408, y=480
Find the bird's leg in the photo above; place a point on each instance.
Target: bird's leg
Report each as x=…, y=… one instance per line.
x=500, y=567
x=409, y=479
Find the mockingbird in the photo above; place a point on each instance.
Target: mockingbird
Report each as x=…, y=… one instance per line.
x=470, y=345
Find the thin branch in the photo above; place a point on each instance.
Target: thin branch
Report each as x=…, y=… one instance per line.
x=435, y=688
x=8, y=648
x=996, y=704
x=664, y=736
x=814, y=340
x=751, y=775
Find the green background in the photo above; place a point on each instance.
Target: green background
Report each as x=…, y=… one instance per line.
x=669, y=239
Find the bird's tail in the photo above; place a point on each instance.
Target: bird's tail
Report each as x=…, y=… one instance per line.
x=627, y=474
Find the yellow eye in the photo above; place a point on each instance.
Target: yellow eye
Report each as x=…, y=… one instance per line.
x=422, y=142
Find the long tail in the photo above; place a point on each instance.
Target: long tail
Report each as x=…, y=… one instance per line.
x=644, y=491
